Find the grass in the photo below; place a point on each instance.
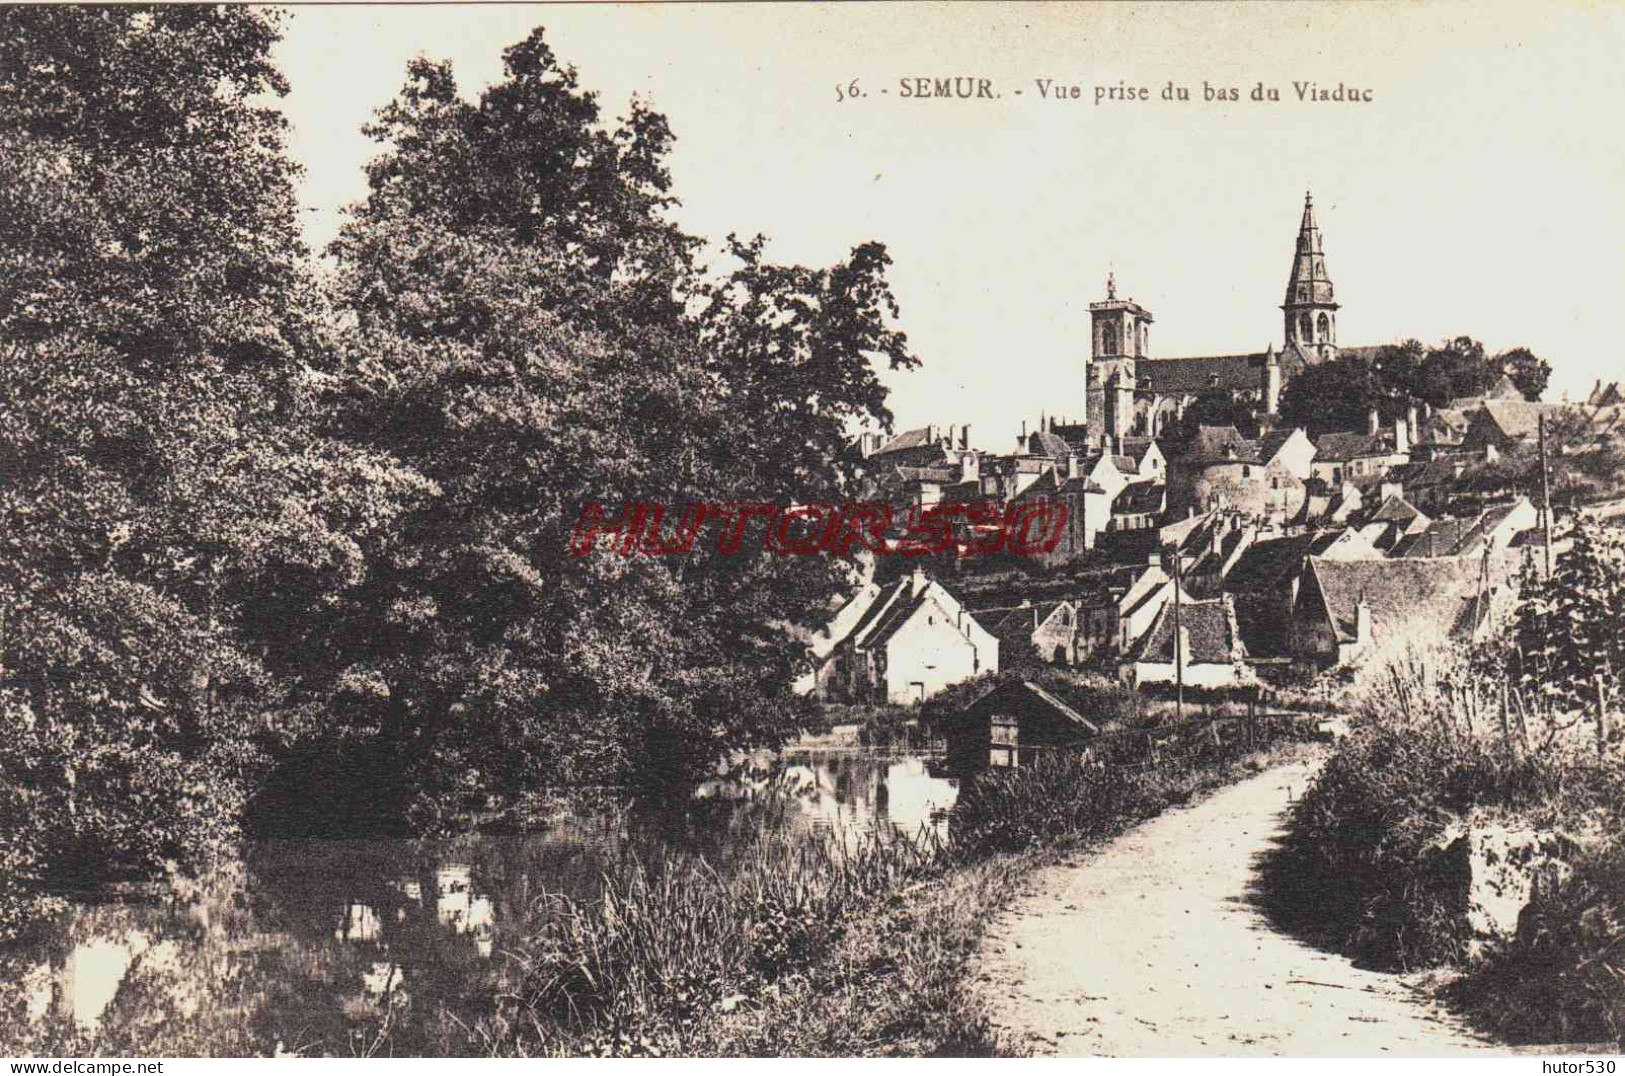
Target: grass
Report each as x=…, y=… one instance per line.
x=821, y=949
x=1368, y=869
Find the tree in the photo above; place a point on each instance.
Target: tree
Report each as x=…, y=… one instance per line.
x=1334, y=395
x=1526, y=370
x=169, y=513
x=532, y=333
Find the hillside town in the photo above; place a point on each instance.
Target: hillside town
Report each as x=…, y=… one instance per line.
x=1215, y=556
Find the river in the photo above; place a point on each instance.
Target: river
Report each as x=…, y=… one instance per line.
x=293, y=946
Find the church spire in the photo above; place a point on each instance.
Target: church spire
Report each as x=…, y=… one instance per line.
x=1310, y=308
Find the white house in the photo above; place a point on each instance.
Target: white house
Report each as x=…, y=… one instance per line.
x=912, y=641
x=1210, y=649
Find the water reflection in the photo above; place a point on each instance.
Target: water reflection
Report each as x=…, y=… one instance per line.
x=305, y=946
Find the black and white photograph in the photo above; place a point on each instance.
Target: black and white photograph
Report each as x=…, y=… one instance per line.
x=812, y=529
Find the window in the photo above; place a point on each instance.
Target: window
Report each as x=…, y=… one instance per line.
x=1306, y=330
x=1108, y=340
x=1246, y=471
x=1325, y=327
x=1006, y=739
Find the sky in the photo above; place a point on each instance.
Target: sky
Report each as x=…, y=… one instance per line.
x=1477, y=193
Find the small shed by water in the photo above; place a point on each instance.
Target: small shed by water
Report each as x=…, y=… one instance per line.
x=1010, y=724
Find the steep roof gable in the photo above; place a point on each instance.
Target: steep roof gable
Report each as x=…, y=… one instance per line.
x=1214, y=638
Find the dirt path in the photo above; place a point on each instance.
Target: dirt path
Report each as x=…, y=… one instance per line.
x=1151, y=946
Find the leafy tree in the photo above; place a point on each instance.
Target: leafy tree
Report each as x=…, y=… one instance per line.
x=168, y=516
x=1334, y=395
x=1527, y=371
x=533, y=333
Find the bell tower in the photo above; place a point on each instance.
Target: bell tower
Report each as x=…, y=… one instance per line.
x=1120, y=335
x=1310, y=309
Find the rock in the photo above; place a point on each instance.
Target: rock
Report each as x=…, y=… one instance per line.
x=1505, y=866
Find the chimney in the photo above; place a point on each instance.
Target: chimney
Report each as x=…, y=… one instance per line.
x=964, y=436
x=1372, y=423
x=1024, y=434
x=1415, y=430
x=948, y=441
x=1362, y=621
x=1402, y=436
x=918, y=581
x=931, y=433
x=1185, y=647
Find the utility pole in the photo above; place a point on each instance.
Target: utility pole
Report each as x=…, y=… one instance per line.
x=1179, y=635
x=1545, y=497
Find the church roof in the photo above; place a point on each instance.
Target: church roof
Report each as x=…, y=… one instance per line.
x=1309, y=282
x=1199, y=374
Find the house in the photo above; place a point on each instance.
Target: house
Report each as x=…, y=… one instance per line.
x=822, y=645
x=1357, y=458
x=1430, y=485
x=1344, y=608
x=1149, y=464
x=1392, y=520
x=924, y=447
x=1139, y=505
x=1011, y=724
x=1263, y=583
x=1494, y=529
x=914, y=639
x=1048, y=627
x=1504, y=389
x=1128, y=613
x=1210, y=652
x=1328, y=505
x=1500, y=425
x=1289, y=450
x=1088, y=511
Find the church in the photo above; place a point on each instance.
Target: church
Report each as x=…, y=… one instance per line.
x=1130, y=394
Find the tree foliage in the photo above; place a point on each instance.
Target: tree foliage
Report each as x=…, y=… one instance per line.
x=1341, y=393
x=1568, y=627
x=533, y=333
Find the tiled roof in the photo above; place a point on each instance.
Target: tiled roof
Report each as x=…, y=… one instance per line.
x=1437, y=472
x=1269, y=565
x=1138, y=498
x=1045, y=443
x=919, y=438
x=1214, y=638
x=1337, y=447
x=1398, y=592
x=1270, y=444
x=1395, y=510
x=1125, y=464
x=1517, y=418
x=1219, y=444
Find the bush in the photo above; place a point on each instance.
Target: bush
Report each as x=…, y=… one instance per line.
x=1066, y=795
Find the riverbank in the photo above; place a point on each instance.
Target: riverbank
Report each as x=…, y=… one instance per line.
x=896, y=979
